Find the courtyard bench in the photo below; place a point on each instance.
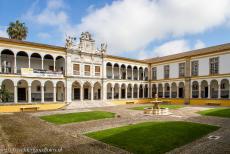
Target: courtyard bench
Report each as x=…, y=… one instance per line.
x=129, y=102
x=213, y=103
x=29, y=108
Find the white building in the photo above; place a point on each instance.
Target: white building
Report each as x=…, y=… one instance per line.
x=35, y=73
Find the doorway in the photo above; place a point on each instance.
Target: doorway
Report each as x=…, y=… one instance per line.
x=76, y=94
x=181, y=92
x=86, y=93
x=21, y=94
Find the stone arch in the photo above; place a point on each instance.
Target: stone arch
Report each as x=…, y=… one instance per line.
x=109, y=91
x=146, y=91
x=60, y=91
x=48, y=62
x=123, y=91
x=135, y=91
x=76, y=91
x=154, y=90
x=160, y=90
x=87, y=90
x=60, y=64
x=7, y=61
x=214, y=86
x=8, y=87
x=116, y=71
x=146, y=75
x=123, y=71
x=167, y=90
x=174, y=90
x=48, y=91
x=22, y=59
x=109, y=70
x=36, y=60
x=36, y=91
x=135, y=73
x=204, y=89
x=129, y=91
x=141, y=73
x=129, y=72
x=195, y=89
x=22, y=90
x=224, y=87
x=97, y=91
x=116, y=91
x=181, y=90
x=141, y=90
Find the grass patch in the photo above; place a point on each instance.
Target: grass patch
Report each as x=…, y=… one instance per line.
x=153, y=137
x=218, y=112
x=163, y=106
x=77, y=117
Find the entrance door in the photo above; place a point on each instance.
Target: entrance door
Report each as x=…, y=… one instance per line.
x=206, y=92
x=86, y=93
x=181, y=92
x=123, y=93
x=99, y=94
x=21, y=94
x=76, y=94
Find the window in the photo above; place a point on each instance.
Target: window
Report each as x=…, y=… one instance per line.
x=97, y=70
x=195, y=66
x=181, y=69
x=154, y=73
x=214, y=65
x=166, y=71
x=76, y=69
x=87, y=70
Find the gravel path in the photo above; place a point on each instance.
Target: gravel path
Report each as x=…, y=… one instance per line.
x=70, y=136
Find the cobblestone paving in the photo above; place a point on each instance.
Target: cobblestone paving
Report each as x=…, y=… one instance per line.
x=125, y=116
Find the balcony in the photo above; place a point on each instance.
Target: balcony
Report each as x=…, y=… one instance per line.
x=30, y=72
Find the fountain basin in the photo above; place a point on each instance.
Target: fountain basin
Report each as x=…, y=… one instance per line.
x=161, y=111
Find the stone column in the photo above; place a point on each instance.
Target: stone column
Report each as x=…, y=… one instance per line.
x=199, y=89
x=112, y=73
x=81, y=93
x=42, y=94
x=91, y=97
x=137, y=91
x=119, y=88
x=132, y=73
x=42, y=63
x=219, y=92
x=112, y=91
x=187, y=84
x=126, y=92
x=29, y=94
x=137, y=73
x=0, y=63
x=54, y=94
x=126, y=73
x=54, y=65
x=209, y=92
x=15, y=94
x=15, y=64
x=163, y=96
x=29, y=61
x=131, y=92
x=170, y=91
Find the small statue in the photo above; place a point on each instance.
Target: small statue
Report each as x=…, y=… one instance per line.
x=85, y=36
x=103, y=47
x=69, y=42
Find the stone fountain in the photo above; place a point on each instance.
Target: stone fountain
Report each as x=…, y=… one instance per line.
x=156, y=109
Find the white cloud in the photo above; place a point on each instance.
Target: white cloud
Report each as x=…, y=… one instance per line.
x=199, y=44
x=3, y=32
x=132, y=24
x=43, y=35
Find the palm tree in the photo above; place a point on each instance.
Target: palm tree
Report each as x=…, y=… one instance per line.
x=17, y=30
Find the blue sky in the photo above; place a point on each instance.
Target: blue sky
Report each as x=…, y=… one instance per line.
x=131, y=28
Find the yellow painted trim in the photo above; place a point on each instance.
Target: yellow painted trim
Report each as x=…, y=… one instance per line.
x=16, y=107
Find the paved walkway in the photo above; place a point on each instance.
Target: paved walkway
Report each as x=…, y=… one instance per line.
x=69, y=136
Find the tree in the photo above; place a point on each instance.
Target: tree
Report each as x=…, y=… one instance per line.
x=17, y=30
x=4, y=95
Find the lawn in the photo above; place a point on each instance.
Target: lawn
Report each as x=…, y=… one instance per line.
x=77, y=117
x=153, y=137
x=219, y=112
x=163, y=106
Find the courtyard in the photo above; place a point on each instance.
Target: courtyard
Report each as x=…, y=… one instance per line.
x=119, y=129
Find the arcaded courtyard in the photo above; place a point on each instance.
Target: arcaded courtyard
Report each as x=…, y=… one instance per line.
x=32, y=130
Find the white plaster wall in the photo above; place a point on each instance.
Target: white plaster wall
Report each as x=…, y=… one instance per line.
x=174, y=70
x=203, y=66
x=224, y=64
x=160, y=72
